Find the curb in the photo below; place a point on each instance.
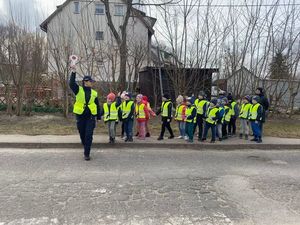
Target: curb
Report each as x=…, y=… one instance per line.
x=194, y=146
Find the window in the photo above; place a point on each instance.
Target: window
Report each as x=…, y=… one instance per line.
x=76, y=7
x=99, y=35
x=99, y=9
x=119, y=10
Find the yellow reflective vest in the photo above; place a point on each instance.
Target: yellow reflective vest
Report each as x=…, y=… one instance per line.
x=200, y=106
x=126, y=109
x=245, y=111
x=227, y=113
x=80, y=103
x=189, y=111
x=140, y=111
x=254, y=111
x=165, y=108
x=179, y=112
x=110, y=113
x=211, y=115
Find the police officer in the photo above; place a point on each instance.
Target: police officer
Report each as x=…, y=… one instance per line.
x=166, y=116
x=86, y=109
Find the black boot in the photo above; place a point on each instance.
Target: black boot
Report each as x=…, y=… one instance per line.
x=241, y=136
x=160, y=138
x=148, y=134
x=246, y=137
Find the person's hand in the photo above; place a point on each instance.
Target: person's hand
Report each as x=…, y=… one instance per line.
x=168, y=120
x=119, y=94
x=256, y=121
x=73, y=68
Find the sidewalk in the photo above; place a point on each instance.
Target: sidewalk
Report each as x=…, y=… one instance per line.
x=73, y=141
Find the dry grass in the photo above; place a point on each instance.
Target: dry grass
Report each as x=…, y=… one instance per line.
x=56, y=125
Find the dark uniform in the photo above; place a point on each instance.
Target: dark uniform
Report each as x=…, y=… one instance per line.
x=87, y=110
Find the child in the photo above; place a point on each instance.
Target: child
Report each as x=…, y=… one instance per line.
x=120, y=114
x=150, y=113
x=256, y=116
x=140, y=113
x=226, y=117
x=127, y=116
x=210, y=121
x=191, y=116
x=244, y=117
x=220, y=120
x=234, y=114
x=166, y=116
x=180, y=116
x=110, y=109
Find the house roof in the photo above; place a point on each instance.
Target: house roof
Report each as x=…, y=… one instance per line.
x=146, y=20
x=241, y=69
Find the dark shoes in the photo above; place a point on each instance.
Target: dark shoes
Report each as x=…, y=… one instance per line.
x=148, y=135
x=212, y=141
x=87, y=158
x=220, y=139
x=130, y=139
x=246, y=137
x=241, y=136
x=137, y=134
x=171, y=137
x=254, y=139
x=160, y=138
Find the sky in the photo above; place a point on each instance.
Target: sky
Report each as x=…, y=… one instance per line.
x=36, y=10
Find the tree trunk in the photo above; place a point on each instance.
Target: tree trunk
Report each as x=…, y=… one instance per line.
x=123, y=61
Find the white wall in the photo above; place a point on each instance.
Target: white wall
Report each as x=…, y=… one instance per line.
x=79, y=32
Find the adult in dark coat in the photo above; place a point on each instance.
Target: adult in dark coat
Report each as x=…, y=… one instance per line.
x=265, y=104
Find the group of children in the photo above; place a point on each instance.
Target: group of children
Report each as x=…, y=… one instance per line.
x=218, y=115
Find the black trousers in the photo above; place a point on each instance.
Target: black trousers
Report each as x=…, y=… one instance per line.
x=224, y=129
x=86, y=128
x=199, y=123
x=232, y=126
x=165, y=124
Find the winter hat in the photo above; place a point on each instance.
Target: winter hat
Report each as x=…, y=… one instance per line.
x=128, y=94
x=190, y=99
x=123, y=94
x=179, y=98
x=140, y=96
x=229, y=97
x=256, y=98
x=248, y=98
x=167, y=96
x=225, y=100
x=202, y=93
x=145, y=98
x=214, y=101
x=111, y=97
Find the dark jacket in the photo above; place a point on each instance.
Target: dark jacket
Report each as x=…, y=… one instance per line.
x=170, y=106
x=75, y=88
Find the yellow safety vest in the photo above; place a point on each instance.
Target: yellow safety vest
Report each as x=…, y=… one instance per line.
x=178, y=114
x=110, y=113
x=227, y=115
x=211, y=113
x=80, y=104
x=164, y=108
x=126, y=108
x=189, y=111
x=244, y=113
x=253, y=111
x=233, y=104
x=200, y=106
x=139, y=111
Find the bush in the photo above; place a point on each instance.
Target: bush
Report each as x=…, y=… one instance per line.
x=3, y=107
x=44, y=109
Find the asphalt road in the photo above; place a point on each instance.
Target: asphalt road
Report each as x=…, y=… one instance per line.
x=150, y=186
